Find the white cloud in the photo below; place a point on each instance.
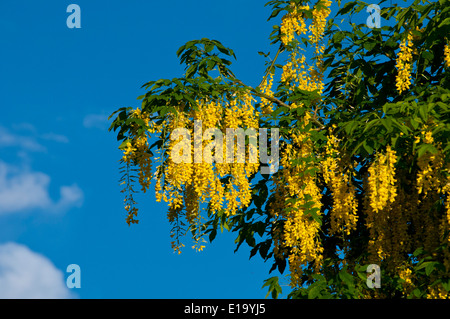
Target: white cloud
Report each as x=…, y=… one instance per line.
x=29, y=275
x=99, y=121
x=29, y=140
x=22, y=189
x=55, y=137
x=28, y=143
x=69, y=196
x=24, y=126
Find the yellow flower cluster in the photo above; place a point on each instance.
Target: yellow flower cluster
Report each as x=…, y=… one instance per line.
x=297, y=196
x=445, y=223
x=404, y=64
x=135, y=153
x=382, y=180
x=446, y=191
x=393, y=230
x=447, y=55
x=438, y=292
x=317, y=27
x=295, y=190
x=238, y=193
x=128, y=152
x=393, y=210
x=432, y=185
x=381, y=187
x=292, y=23
x=288, y=72
x=405, y=275
x=344, y=211
x=194, y=183
x=294, y=73
x=266, y=88
x=429, y=167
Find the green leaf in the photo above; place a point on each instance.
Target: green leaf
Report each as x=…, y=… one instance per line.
x=274, y=287
x=429, y=268
x=314, y=291
x=423, y=148
x=423, y=111
x=446, y=284
x=124, y=144
x=367, y=147
x=313, y=213
x=264, y=54
x=264, y=248
x=212, y=235
x=369, y=45
x=427, y=55
x=346, y=277
x=387, y=123
x=418, y=251
x=362, y=275
x=209, y=47
x=391, y=43
x=445, y=22
x=191, y=70
x=417, y=292
x=347, y=8
x=338, y=36
x=414, y=123
x=371, y=124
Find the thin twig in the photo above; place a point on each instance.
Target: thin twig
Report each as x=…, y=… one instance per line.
x=280, y=49
x=274, y=100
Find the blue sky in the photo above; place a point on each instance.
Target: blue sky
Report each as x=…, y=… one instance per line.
x=60, y=202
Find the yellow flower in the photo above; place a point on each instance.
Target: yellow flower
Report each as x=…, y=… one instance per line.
x=344, y=210
x=404, y=64
x=428, y=176
x=382, y=180
x=292, y=23
x=294, y=191
x=128, y=152
x=382, y=192
x=447, y=55
x=317, y=27
x=266, y=88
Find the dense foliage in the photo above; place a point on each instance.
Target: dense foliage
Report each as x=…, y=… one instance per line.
x=363, y=174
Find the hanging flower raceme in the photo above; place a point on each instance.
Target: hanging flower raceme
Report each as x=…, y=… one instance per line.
x=294, y=72
x=404, y=64
x=266, y=88
x=299, y=196
x=317, y=27
x=292, y=23
x=447, y=55
x=382, y=180
x=344, y=208
x=382, y=190
x=445, y=223
x=195, y=161
x=428, y=176
x=136, y=153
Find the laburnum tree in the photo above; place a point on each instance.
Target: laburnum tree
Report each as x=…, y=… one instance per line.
x=363, y=175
